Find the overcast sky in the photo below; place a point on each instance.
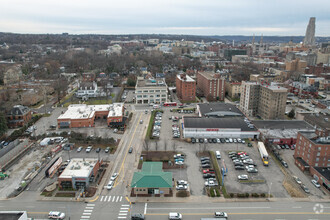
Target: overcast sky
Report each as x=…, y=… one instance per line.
x=198, y=17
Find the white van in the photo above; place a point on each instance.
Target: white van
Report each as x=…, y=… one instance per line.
x=174, y=216
x=217, y=154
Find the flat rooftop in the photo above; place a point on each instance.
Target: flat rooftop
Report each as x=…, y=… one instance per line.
x=282, y=124
x=79, y=167
x=221, y=123
x=82, y=111
x=210, y=75
x=186, y=78
x=13, y=215
x=222, y=109
x=319, y=120
x=159, y=82
x=275, y=88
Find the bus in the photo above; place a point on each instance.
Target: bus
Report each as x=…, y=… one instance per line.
x=169, y=104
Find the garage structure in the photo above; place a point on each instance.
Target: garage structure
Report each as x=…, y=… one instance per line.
x=79, y=173
x=81, y=115
x=233, y=127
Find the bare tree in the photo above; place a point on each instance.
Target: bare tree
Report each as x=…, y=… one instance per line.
x=174, y=146
x=146, y=147
x=156, y=145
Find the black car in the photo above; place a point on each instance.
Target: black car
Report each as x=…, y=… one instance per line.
x=137, y=217
x=239, y=168
x=209, y=140
x=234, y=158
x=206, y=165
x=238, y=164
x=193, y=140
x=283, y=146
x=201, y=140
x=222, y=140
x=130, y=150
x=205, y=162
x=287, y=146
x=214, y=140
x=208, y=175
x=98, y=150
x=205, y=158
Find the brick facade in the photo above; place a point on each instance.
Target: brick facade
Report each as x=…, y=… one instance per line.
x=185, y=88
x=211, y=85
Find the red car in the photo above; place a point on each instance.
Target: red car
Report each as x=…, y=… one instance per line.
x=208, y=171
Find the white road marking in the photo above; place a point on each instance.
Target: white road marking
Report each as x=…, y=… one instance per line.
x=89, y=207
x=121, y=217
x=113, y=199
x=217, y=208
x=101, y=198
x=85, y=217
x=145, y=208
x=124, y=205
x=120, y=199
x=122, y=213
x=87, y=210
x=85, y=213
x=90, y=204
x=124, y=208
x=109, y=199
x=117, y=198
x=105, y=198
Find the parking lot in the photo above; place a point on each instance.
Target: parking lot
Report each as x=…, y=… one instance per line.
x=268, y=178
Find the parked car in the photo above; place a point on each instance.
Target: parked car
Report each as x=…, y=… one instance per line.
x=114, y=176
x=201, y=140
x=179, y=163
x=204, y=158
x=182, y=182
x=181, y=187
x=315, y=183
x=89, y=149
x=208, y=175
x=110, y=185
x=252, y=170
x=249, y=145
x=239, y=167
x=243, y=177
x=208, y=171
x=206, y=165
x=193, y=140
x=284, y=164
x=305, y=188
x=98, y=150
x=79, y=149
x=107, y=150
x=297, y=180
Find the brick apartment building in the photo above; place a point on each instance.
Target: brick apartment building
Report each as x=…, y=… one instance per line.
x=233, y=89
x=312, y=154
x=212, y=86
x=311, y=150
x=185, y=87
x=18, y=116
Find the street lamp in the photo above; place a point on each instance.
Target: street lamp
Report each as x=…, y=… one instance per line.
x=269, y=189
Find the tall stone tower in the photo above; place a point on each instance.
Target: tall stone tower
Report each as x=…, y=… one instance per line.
x=309, y=39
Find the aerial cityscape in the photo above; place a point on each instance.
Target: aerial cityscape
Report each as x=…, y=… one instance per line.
x=171, y=110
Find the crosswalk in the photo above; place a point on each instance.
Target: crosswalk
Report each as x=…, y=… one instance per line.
x=123, y=212
x=111, y=198
x=87, y=212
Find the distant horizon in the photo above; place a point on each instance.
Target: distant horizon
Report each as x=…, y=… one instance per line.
x=179, y=17
x=202, y=35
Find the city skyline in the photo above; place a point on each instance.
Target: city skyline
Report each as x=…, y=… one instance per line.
x=209, y=17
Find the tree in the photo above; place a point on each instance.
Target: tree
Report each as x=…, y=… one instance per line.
x=291, y=114
x=3, y=124
x=131, y=81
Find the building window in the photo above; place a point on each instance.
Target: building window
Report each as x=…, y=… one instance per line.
x=145, y=91
x=319, y=148
x=316, y=164
x=317, y=159
x=318, y=154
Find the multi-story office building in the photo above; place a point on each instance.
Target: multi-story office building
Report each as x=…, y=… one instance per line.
x=212, y=85
x=266, y=101
x=249, y=98
x=185, y=87
x=149, y=91
x=272, y=102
